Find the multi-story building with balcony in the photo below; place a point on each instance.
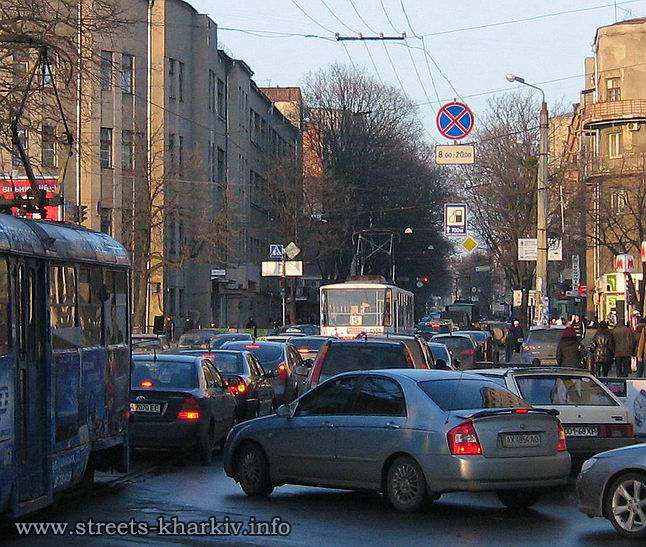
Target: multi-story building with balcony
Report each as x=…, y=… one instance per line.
x=610, y=122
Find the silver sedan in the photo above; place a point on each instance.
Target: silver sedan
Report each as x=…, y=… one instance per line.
x=613, y=485
x=411, y=434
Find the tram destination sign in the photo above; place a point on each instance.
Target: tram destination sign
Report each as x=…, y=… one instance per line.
x=455, y=154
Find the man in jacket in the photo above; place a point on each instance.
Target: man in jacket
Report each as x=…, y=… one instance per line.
x=602, y=350
x=640, y=333
x=569, y=352
x=579, y=326
x=517, y=336
x=623, y=339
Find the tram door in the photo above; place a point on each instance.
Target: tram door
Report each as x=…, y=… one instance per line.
x=31, y=396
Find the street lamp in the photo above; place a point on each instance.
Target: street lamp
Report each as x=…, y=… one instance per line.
x=408, y=231
x=541, y=200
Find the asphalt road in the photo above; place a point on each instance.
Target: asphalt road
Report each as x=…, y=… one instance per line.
x=316, y=516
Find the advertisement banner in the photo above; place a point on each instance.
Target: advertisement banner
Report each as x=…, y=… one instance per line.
x=12, y=187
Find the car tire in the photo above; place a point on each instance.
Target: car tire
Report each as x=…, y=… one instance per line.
x=252, y=471
x=207, y=446
x=406, y=485
x=518, y=499
x=633, y=486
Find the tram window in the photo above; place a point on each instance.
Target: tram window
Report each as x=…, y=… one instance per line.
x=90, y=283
x=116, y=307
x=5, y=331
x=62, y=305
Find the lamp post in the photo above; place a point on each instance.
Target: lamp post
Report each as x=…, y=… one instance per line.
x=541, y=202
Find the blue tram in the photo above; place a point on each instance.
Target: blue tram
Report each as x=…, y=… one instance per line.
x=64, y=359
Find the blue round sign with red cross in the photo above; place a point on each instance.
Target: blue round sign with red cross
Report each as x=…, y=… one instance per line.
x=455, y=120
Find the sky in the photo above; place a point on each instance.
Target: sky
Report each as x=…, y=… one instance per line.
x=463, y=62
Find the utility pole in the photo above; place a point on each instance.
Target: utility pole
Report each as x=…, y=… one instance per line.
x=541, y=216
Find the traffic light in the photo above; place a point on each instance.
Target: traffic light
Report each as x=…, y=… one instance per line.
x=82, y=216
x=426, y=279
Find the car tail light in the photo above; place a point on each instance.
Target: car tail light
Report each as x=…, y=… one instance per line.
x=304, y=350
x=616, y=430
x=208, y=356
x=252, y=346
x=561, y=445
x=318, y=365
x=283, y=373
x=463, y=440
x=190, y=410
x=146, y=383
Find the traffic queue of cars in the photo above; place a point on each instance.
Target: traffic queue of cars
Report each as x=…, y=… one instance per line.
x=396, y=414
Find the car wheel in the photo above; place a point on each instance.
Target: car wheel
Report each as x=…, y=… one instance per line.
x=252, y=471
x=406, y=485
x=207, y=447
x=518, y=499
x=625, y=505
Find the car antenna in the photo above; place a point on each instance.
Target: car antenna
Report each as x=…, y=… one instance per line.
x=455, y=392
x=154, y=353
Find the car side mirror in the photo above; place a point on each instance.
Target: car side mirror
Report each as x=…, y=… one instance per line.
x=284, y=411
x=441, y=364
x=457, y=363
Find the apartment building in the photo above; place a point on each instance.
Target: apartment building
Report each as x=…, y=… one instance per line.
x=611, y=123
x=175, y=146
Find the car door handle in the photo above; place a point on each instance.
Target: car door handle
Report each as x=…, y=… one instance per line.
x=391, y=425
x=329, y=425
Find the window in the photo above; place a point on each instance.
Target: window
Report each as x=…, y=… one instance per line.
x=222, y=111
x=164, y=374
x=563, y=390
x=614, y=145
x=208, y=377
x=90, y=291
x=48, y=71
x=345, y=357
x=106, y=148
x=329, y=400
x=16, y=160
x=221, y=166
x=379, y=397
x=171, y=301
x=127, y=73
x=62, y=298
x=105, y=70
x=171, y=79
x=180, y=81
x=116, y=307
x=472, y=394
x=614, y=89
x=48, y=147
x=619, y=201
x=20, y=58
x=182, y=308
x=127, y=150
x=180, y=155
x=171, y=151
x=211, y=105
x=5, y=324
x=212, y=162
x=105, y=218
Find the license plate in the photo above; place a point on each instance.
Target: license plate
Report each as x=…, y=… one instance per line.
x=521, y=440
x=145, y=407
x=581, y=431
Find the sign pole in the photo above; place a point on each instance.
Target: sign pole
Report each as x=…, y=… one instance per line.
x=283, y=284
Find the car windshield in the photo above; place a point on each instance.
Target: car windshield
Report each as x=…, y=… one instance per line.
x=544, y=337
x=194, y=339
x=227, y=362
x=146, y=343
x=221, y=339
x=563, y=390
x=462, y=394
x=311, y=344
x=265, y=353
x=344, y=357
x=355, y=307
x=163, y=375
x=455, y=342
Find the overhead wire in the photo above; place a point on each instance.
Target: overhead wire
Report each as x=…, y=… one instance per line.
x=383, y=7
x=354, y=7
x=337, y=17
x=312, y=18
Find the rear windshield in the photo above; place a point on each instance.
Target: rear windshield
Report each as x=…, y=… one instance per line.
x=192, y=340
x=218, y=341
x=470, y=394
x=146, y=343
x=563, y=390
x=455, y=342
x=313, y=344
x=440, y=352
x=163, y=375
x=227, y=362
x=265, y=353
x=341, y=358
x=544, y=336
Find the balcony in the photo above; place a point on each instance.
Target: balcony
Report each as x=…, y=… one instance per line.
x=608, y=112
x=626, y=165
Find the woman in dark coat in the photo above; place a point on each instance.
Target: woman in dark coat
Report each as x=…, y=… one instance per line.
x=602, y=350
x=569, y=352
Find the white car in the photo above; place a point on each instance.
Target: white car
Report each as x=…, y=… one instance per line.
x=593, y=418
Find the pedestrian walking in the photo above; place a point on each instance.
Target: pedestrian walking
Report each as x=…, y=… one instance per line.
x=169, y=329
x=189, y=324
x=623, y=340
x=640, y=332
x=570, y=351
x=602, y=350
x=518, y=336
x=579, y=326
x=251, y=324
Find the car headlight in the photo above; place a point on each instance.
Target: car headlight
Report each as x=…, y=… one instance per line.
x=587, y=464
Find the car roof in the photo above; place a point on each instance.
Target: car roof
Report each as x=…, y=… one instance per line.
x=147, y=336
x=391, y=337
x=312, y=337
x=547, y=327
x=362, y=342
x=452, y=335
x=417, y=374
x=532, y=371
x=244, y=343
x=168, y=357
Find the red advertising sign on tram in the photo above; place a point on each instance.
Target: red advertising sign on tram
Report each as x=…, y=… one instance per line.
x=12, y=187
